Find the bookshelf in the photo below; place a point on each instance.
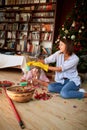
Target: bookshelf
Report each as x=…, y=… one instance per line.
x=27, y=26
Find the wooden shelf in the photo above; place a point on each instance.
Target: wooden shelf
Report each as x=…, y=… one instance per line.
x=26, y=5
x=28, y=24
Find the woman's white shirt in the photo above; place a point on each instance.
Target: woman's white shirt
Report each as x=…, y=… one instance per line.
x=69, y=67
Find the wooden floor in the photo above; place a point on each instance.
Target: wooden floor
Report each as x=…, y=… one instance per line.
x=53, y=114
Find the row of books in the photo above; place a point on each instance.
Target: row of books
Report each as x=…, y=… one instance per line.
x=14, y=17
x=35, y=27
x=47, y=14
x=2, y=26
x=46, y=7
x=46, y=36
x=26, y=17
x=14, y=26
x=41, y=27
x=11, y=27
x=43, y=36
x=2, y=34
x=11, y=35
x=36, y=36
x=33, y=35
x=11, y=44
x=33, y=49
x=43, y=20
x=26, y=46
x=24, y=27
x=2, y=42
x=13, y=2
x=46, y=51
x=23, y=17
x=2, y=16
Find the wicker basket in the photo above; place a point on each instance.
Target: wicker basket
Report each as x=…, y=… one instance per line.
x=19, y=94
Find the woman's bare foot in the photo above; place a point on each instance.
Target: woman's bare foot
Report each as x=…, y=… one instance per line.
x=85, y=95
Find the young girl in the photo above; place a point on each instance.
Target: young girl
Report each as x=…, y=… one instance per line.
x=67, y=82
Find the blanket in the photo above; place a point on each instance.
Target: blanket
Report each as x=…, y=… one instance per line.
x=12, y=61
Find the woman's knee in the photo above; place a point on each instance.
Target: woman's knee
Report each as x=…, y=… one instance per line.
x=64, y=94
x=50, y=88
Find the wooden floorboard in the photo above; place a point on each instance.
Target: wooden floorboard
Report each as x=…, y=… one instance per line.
x=53, y=114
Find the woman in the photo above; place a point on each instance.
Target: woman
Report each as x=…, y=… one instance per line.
x=67, y=82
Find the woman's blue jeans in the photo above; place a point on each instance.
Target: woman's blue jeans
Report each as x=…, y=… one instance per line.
x=66, y=90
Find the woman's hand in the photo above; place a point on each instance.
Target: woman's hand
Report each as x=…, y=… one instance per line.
x=41, y=60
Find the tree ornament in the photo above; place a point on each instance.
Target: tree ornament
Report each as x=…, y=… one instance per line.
x=63, y=28
x=66, y=31
x=83, y=27
x=68, y=36
x=80, y=31
x=73, y=37
x=73, y=24
x=64, y=37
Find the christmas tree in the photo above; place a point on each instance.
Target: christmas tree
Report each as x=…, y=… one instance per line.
x=75, y=28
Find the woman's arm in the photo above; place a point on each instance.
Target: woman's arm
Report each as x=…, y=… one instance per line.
x=59, y=69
